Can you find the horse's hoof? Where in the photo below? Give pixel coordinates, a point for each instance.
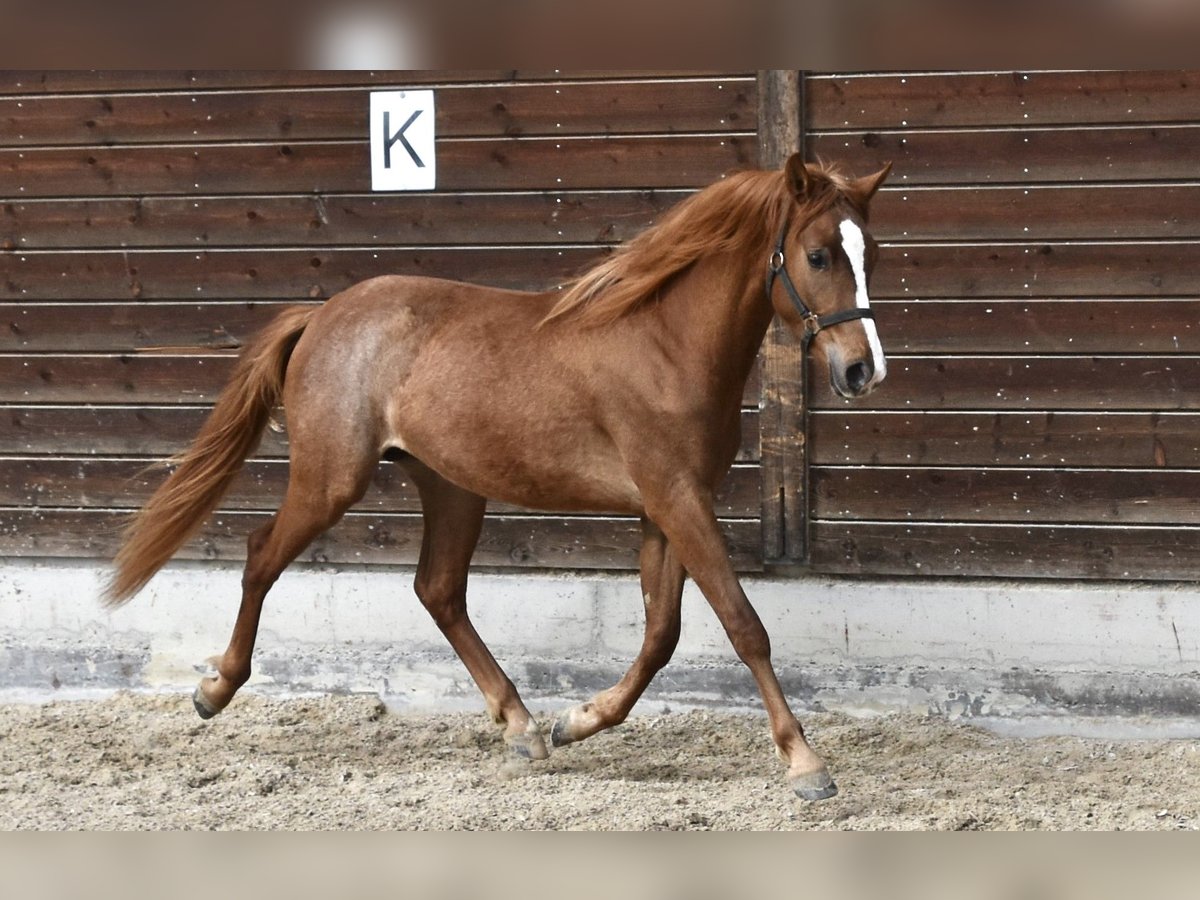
(203, 707)
(528, 745)
(560, 734)
(814, 786)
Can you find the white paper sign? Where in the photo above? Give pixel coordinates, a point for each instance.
(402, 148)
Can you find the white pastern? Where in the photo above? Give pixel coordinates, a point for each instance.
(855, 247)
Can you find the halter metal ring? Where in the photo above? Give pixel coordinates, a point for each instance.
(776, 260)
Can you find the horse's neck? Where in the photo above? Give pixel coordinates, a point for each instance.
(718, 310)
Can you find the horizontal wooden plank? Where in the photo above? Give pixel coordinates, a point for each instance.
(154, 378)
(609, 106)
(1068, 212)
(1045, 269)
(142, 430)
(1113, 212)
(162, 431)
(1025, 438)
(25, 82)
(953, 271)
(322, 167)
(90, 81)
(274, 274)
(1029, 383)
(1040, 326)
(369, 538)
(991, 326)
(1010, 551)
(487, 110)
(1106, 496)
(124, 327)
(105, 378)
(959, 99)
(61, 81)
(1018, 155)
(80, 482)
(321, 221)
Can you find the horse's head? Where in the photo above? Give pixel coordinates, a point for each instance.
(823, 260)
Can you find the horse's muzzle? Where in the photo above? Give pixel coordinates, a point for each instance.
(855, 380)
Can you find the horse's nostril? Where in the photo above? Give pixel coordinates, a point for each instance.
(858, 376)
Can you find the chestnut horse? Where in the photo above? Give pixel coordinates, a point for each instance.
(620, 393)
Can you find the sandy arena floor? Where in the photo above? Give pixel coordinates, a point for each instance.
(147, 762)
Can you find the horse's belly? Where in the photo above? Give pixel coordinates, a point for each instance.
(528, 469)
(554, 493)
(545, 487)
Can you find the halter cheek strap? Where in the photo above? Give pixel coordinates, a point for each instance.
(813, 324)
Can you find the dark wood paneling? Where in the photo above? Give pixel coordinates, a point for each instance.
(507, 541)
(953, 271)
(162, 430)
(284, 172)
(957, 99)
(1019, 155)
(96, 81)
(126, 484)
(122, 327)
(136, 430)
(1040, 326)
(274, 274)
(153, 378)
(1005, 198)
(1044, 269)
(1038, 298)
(323, 167)
(1010, 551)
(588, 108)
(1069, 212)
(320, 221)
(15, 81)
(1031, 383)
(104, 378)
(914, 382)
(1155, 497)
(1023, 438)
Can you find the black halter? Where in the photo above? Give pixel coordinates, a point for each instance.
(813, 324)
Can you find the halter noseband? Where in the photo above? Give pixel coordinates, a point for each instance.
(813, 324)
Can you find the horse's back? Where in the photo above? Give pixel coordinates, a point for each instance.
(376, 302)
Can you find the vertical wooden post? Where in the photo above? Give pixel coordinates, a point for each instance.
(782, 431)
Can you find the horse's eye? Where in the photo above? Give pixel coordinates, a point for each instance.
(818, 259)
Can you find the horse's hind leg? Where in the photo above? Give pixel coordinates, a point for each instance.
(662, 589)
(453, 519)
(317, 496)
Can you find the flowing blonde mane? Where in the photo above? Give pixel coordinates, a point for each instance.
(741, 214)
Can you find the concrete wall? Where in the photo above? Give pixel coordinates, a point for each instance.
(1041, 656)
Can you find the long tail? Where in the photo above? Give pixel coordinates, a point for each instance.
(204, 472)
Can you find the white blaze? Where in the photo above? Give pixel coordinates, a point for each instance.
(855, 247)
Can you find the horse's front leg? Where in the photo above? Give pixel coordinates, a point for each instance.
(685, 514)
(662, 588)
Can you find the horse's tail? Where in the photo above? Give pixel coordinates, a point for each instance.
(205, 470)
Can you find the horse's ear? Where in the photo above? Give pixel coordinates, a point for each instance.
(797, 175)
(863, 189)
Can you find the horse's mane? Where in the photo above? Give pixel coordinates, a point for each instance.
(742, 213)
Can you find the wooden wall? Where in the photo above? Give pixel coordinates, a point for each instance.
(153, 210)
(1039, 296)
(1038, 293)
